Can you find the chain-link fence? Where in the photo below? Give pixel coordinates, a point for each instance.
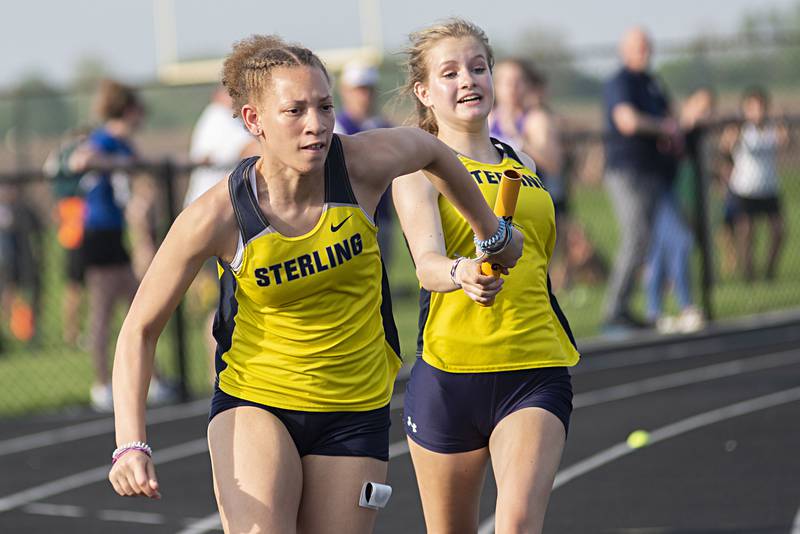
(46, 352)
(728, 233)
(46, 358)
(48, 333)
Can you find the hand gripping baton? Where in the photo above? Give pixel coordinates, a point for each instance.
(504, 207)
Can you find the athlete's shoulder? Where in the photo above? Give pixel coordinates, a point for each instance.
(212, 217)
(214, 204)
(517, 157)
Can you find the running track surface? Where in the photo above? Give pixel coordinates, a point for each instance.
(724, 457)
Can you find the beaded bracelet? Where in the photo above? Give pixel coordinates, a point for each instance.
(497, 241)
(453, 270)
(508, 237)
(132, 446)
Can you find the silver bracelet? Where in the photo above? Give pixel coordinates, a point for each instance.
(496, 241)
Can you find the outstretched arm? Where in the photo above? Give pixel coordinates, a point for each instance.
(416, 203)
(376, 157)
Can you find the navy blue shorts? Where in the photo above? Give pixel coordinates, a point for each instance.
(756, 206)
(457, 412)
(324, 433)
(103, 248)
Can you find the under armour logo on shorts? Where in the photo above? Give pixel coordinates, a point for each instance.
(412, 425)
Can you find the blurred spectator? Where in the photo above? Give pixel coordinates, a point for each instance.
(697, 113)
(101, 160)
(642, 139)
(69, 213)
(20, 262)
(725, 235)
(586, 266)
(754, 183)
(668, 262)
(523, 118)
(510, 120)
(219, 141)
(543, 142)
(358, 93)
(142, 216)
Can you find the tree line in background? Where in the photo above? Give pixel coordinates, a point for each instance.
(765, 50)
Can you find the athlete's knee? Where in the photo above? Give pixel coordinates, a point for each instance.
(456, 526)
(519, 521)
(262, 521)
(518, 514)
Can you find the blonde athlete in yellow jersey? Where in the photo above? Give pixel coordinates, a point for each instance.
(306, 347)
(491, 382)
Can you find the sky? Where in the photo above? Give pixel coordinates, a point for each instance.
(49, 37)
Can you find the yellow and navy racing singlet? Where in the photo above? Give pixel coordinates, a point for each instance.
(525, 327)
(305, 323)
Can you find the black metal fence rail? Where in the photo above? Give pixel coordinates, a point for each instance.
(26, 195)
(42, 372)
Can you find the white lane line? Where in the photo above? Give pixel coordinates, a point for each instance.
(796, 524)
(96, 474)
(396, 449)
(98, 427)
(683, 378)
(128, 516)
(99, 473)
(666, 432)
(174, 413)
(166, 414)
(212, 522)
(57, 510)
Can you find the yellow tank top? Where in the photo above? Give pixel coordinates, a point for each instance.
(304, 323)
(525, 327)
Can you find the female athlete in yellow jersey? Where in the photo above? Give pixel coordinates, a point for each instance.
(306, 347)
(491, 382)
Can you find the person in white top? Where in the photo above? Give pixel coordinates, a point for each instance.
(218, 141)
(754, 181)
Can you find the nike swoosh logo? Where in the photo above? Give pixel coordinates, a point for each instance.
(335, 227)
(517, 168)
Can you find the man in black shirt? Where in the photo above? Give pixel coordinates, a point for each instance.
(642, 139)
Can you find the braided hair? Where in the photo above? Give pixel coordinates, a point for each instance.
(246, 71)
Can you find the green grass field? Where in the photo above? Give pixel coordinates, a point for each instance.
(48, 374)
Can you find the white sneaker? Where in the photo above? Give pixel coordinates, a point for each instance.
(161, 392)
(690, 320)
(100, 398)
(667, 324)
